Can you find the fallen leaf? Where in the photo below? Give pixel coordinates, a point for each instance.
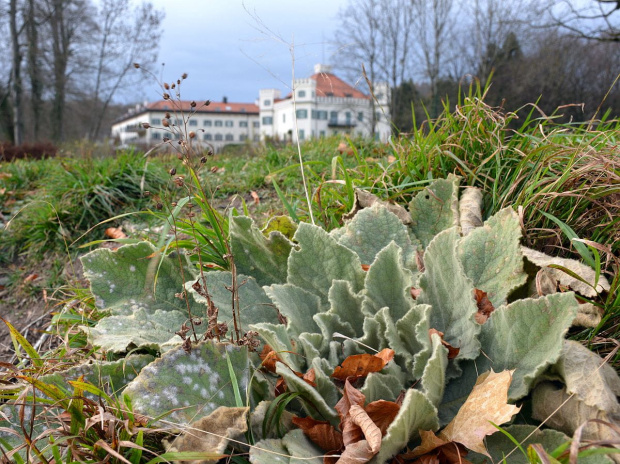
(210, 435)
(30, 278)
(485, 307)
(365, 267)
(344, 147)
(382, 413)
(115, 232)
(360, 365)
(322, 433)
(386, 354)
(269, 359)
(487, 402)
(373, 434)
(434, 449)
(350, 396)
(391, 159)
(255, 197)
(452, 351)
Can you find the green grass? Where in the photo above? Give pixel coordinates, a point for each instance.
(57, 200)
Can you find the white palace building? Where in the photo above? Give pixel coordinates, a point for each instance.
(324, 105)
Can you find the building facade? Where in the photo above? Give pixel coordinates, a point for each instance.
(324, 105)
(215, 125)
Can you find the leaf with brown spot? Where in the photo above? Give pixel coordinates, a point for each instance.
(360, 365)
(452, 351)
(322, 433)
(485, 307)
(382, 413)
(487, 402)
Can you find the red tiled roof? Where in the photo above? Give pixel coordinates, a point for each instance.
(214, 107)
(329, 85)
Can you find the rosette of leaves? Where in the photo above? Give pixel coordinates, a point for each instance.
(377, 283)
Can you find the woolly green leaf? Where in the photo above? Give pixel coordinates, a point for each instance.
(413, 331)
(371, 230)
(403, 357)
(416, 413)
(435, 209)
(448, 290)
(330, 323)
(434, 377)
(320, 261)
(492, 258)
(111, 377)
(276, 336)
(526, 335)
(134, 276)
(263, 258)
(381, 386)
(319, 408)
(294, 445)
(324, 384)
(457, 390)
(142, 329)
(297, 305)
(254, 305)
(347, 305)
(189, 386)
(388, 283)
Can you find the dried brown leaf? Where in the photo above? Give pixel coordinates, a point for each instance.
(350, 396)
(360, 365)
(370, 430)
(269, 359)
(255, 197)
(115, 232)
(382, 413)
(485, 307)
(322, 433)
(487, 402)
(434, 449)
(452, 351)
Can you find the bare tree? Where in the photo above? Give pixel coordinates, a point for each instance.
(593, 20)
(69, 23)
(33, 21)
(16, 77)
(125, 35)
(359, 40)
(397, 27)
(434, 25)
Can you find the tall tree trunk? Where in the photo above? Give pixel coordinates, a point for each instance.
(16, 79)
(60, 48)
(34, 69)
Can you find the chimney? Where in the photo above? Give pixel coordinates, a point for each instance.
(224, 99)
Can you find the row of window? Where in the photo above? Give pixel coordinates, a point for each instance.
(209, 123)
(315, 114)
(215, 137)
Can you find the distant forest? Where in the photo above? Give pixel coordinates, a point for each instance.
(68, 60)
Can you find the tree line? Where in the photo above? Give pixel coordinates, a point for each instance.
(68, 61)
(554, 53)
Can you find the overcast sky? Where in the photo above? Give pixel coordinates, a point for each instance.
(226, 51)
